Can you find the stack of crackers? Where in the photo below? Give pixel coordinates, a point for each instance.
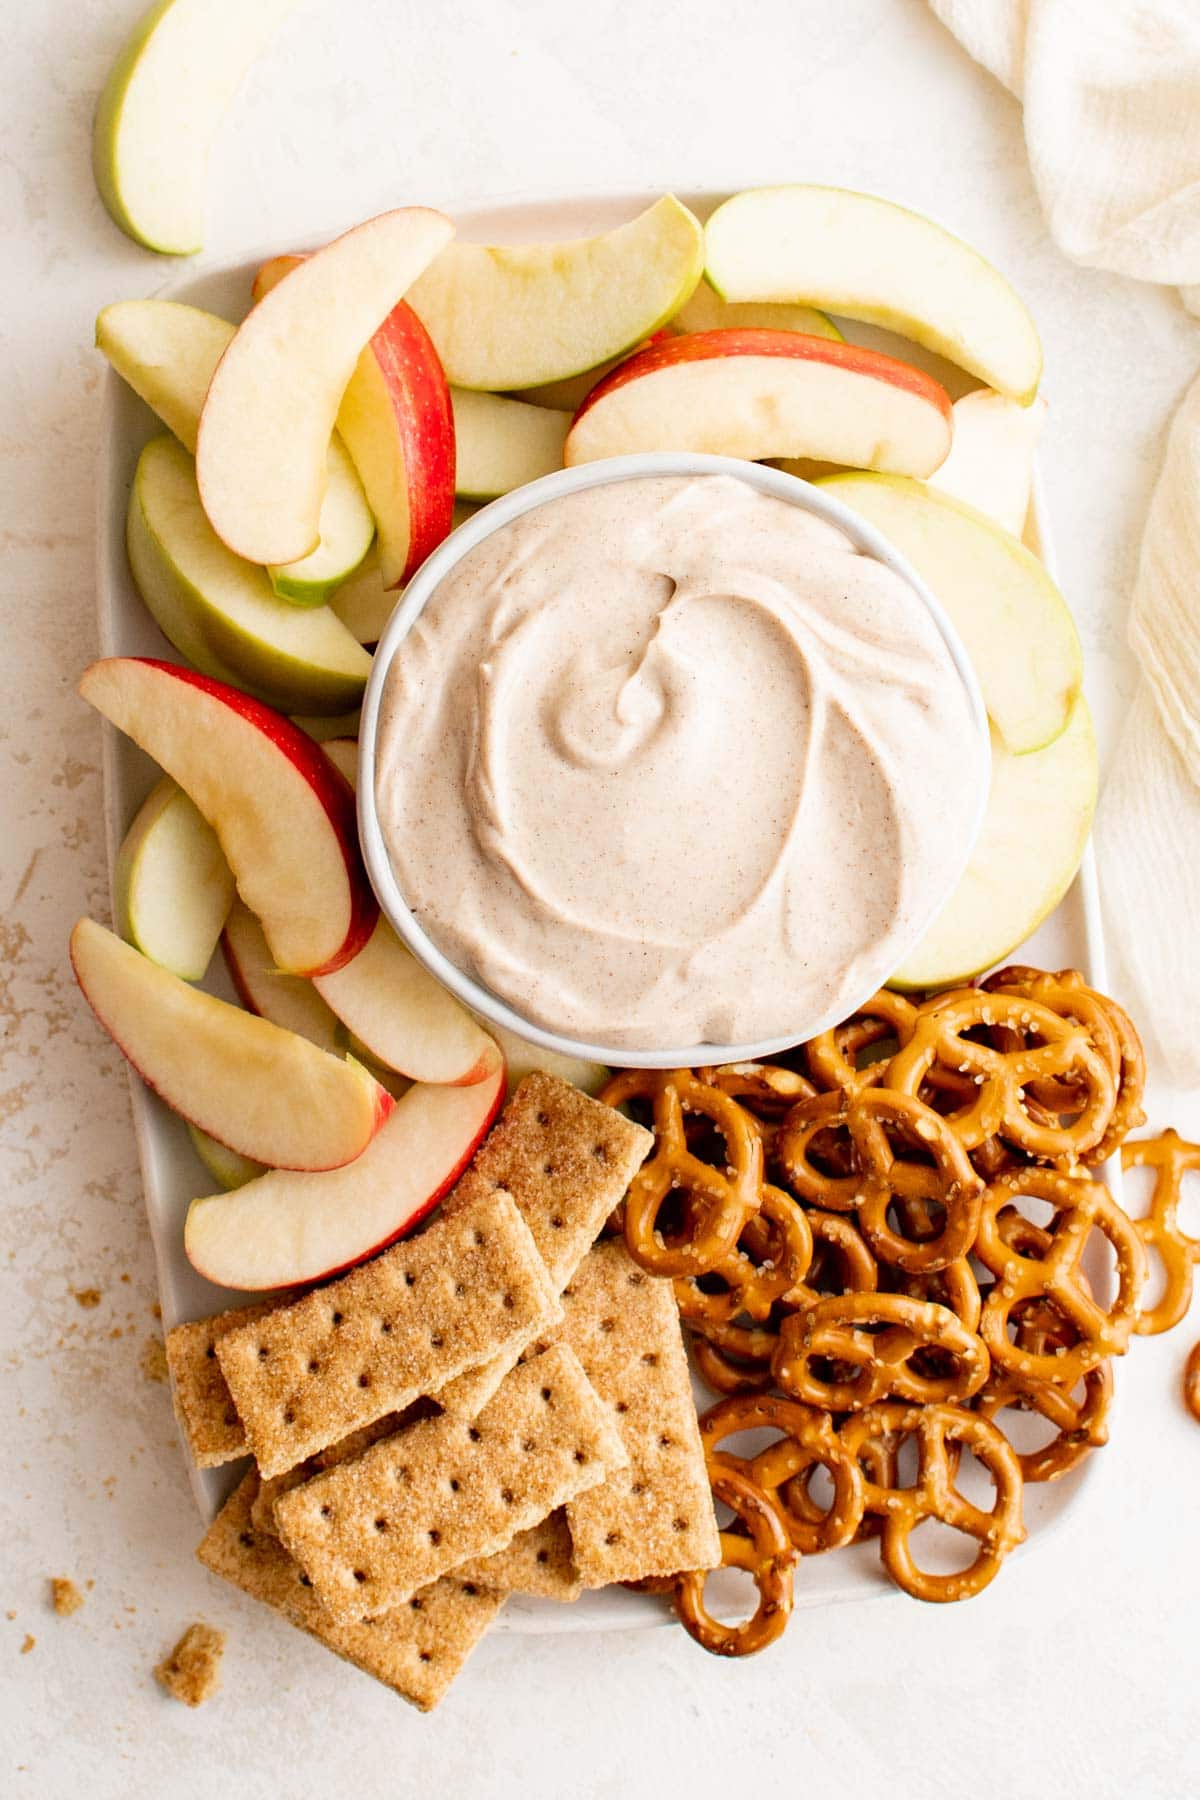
(499, 1405)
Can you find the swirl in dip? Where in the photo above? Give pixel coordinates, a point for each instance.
(669, 762)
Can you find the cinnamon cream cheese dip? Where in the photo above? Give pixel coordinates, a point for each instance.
(669, 761)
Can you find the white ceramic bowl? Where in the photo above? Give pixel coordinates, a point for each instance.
(429, 576)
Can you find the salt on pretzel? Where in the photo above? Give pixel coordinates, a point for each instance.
(765, 1552)
(808, 1442)
(765, 1089)
(1171, 1158)
(718, 1201)
(839, 1328)
(1112, 1031)
(832, 1057)
(772, 1258)
(882, 1178)
(937, 1430)
(1055, 1275)
(1080, 1424)
(940, 1039)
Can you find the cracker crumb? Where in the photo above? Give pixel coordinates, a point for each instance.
(27, 1646)
(87, 1297)
(154, 1360)
(192, 1671)
(65, 1597)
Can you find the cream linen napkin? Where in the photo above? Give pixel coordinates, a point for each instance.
(1111, 91)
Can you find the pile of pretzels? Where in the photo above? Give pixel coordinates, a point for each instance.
(876, 1244)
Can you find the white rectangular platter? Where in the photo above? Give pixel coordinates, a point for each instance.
(171, 1173)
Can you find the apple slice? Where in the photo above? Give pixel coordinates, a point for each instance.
(569, 394)
(404, 1017)
(271, 406)
(224, 1165)
(507, 316)
(289, 1001)
(160, 108)
(990, 465)
(767, 393)
(219, 611)
(286, 1228)
(283, 815)
(522, 1058)
(343, 754)
(706, 311)
(866, 258)
(363, 604)
(259, 1090)
(1034, 831)
(172, 888)
(395, 416)
(1016, 626)
(501, 444)
(168, 353)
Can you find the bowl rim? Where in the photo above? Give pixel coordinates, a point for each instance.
(411, 603)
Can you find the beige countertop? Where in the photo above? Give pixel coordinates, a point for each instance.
(1075, 1672)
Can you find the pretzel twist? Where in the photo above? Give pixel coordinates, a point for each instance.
(1080, 1424)
(1065, 1054)
(881, 1178)
(809, 1441)
(766, 1553)
(882, 1363)
(1171, 1157)
(832, 1057)
(937, 1430)
(718, 1201)
(772, 1259)
(1191, 1382)
(1112, 1032)
(1055, 1274)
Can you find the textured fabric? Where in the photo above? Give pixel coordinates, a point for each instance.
(1111, 92)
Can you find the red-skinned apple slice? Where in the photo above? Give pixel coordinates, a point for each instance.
(758, 394)
(404, 1018)
(282, 814)
(396, 422)
(259, 1090)
(397, 1014)
(272, 404)
(287, 1228)
(287, 1000)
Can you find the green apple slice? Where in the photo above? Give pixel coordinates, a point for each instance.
(1016, 626)
(219, 611)
(501, 444)
(866, 258)
(172, 888)
(706, 311)
(990, 465)
(228, 1167)
(1038, 816)
(168, 353)
(505, 316)
(160, 108)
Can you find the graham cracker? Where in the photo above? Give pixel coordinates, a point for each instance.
(655, 1516)
(203, 1403)
(388, 1332)
(538, 1561)
(567, 1160)
(371, 1533)
(269, 1489)
(192, 1671)
(417, 1651)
